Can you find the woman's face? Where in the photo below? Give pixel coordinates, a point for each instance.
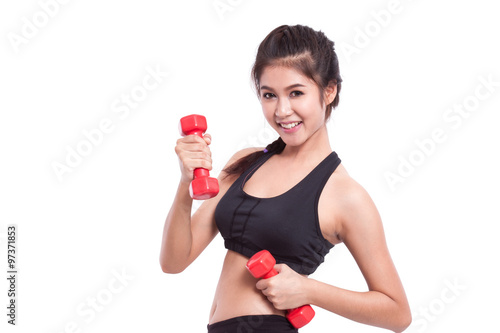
(291, 104)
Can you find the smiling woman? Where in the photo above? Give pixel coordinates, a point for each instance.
(294, 198)
(286, 107)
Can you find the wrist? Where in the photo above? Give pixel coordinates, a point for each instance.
(184, 182)
(309, 290)
(183, 197)
(183, 186)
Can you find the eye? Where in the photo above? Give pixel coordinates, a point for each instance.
(268, 95)
(296, 93)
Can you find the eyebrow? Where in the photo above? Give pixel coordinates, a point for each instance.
(287, 88)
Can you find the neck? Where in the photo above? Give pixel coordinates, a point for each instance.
(317, 146)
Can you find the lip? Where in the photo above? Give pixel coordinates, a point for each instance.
(288, 122)
(289, 130)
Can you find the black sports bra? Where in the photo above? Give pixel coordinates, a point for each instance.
(286, 225)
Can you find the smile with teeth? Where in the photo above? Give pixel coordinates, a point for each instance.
(290, 125)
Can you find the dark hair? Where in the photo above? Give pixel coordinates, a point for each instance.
(304, 49)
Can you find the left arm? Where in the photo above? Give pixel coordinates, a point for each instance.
(384, 305)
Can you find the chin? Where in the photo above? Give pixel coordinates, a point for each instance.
(292, 142)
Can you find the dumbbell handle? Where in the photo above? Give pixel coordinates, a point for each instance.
(201, 172)
(262, 262)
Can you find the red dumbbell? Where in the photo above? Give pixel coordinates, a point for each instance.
(203, 186)
(261, 265)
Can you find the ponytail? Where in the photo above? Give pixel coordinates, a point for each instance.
(238, 167)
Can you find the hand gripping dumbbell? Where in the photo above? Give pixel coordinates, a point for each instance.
(203, 186)
(261, 265)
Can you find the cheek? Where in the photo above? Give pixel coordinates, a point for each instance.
(311, 108)
(316, 116)
(307, 106)
(268, 111)
(311, 102)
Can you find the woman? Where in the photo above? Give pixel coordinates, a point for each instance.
(293, 198)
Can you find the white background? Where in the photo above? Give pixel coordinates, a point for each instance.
(106, 216)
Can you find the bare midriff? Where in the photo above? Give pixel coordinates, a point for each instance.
(236, 294)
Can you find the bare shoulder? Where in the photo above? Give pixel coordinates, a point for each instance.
(344, 202)
(359, 213)
(236, 156)
(242, 153)
(349, 192)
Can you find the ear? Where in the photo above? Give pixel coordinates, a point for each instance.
(330, 92)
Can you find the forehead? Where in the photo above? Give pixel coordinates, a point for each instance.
(279, 77)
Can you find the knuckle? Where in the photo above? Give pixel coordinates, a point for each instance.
(186, 139)
(196, 138)
(208, 156)
(180, 153)
(206, 164)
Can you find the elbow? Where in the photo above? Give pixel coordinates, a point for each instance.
(407, 321)
(404, 321)
(170, 268)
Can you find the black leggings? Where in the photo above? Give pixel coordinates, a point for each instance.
(253, 324)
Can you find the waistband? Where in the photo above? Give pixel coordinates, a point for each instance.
(254, 324)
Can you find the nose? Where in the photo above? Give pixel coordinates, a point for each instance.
(283, 108)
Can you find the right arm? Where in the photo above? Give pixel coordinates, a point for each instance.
(186, 236)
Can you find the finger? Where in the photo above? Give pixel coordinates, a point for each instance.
(192, 139)
(262, 284)
(279, 267)
(198, 157)
(193, 146)
(207, 138)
